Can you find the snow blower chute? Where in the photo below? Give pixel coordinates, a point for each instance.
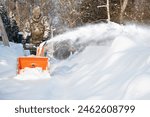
(33, 61)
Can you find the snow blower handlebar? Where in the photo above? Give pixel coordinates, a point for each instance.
(38, 50)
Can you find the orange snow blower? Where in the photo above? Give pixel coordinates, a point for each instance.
(33, 61)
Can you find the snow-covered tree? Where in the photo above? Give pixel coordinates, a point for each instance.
(69, 12)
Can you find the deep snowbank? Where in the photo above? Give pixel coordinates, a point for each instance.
(8, 59)
(114, 65)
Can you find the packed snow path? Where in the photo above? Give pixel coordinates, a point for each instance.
(115, 64)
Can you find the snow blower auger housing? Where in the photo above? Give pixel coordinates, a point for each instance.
(32, 62)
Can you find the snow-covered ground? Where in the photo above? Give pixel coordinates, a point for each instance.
(114, 65)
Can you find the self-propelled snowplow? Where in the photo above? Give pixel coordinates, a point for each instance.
(61, 50)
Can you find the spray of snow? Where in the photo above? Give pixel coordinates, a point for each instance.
(115, 64)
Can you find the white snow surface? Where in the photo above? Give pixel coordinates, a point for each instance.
(32, 74)
(116, 67)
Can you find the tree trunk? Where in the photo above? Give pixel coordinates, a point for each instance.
(3, 33)
(123, 8)
(17, 14)
(108, 11)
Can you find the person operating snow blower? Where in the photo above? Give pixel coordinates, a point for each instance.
(36, 30)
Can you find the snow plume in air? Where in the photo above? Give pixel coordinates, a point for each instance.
(113, 62)
(98, 34)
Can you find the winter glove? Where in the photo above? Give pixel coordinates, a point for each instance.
(24, 41)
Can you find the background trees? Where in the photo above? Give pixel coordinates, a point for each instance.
(65, 14)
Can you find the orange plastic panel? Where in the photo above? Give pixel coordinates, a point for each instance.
(32, 62)
(40, 51)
